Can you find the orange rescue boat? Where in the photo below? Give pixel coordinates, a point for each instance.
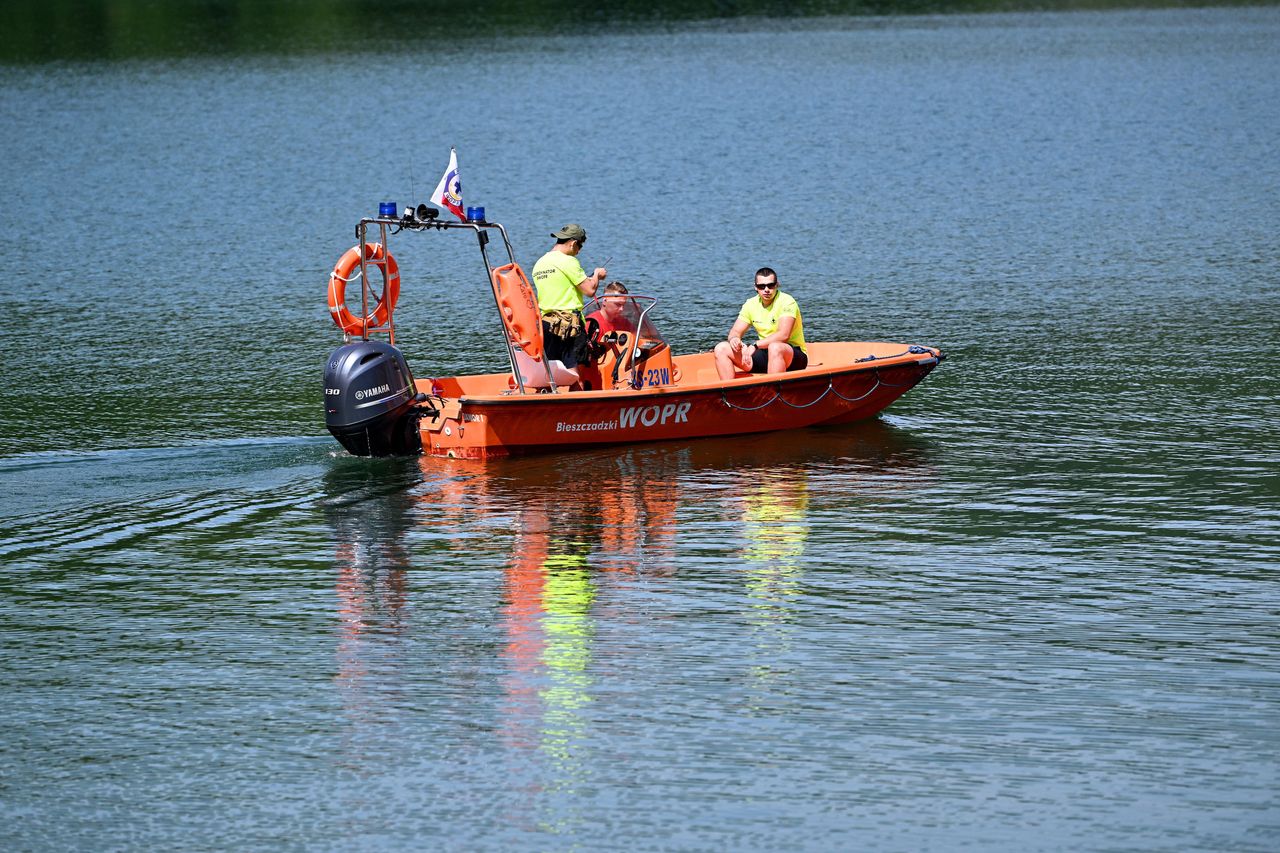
(634, 389)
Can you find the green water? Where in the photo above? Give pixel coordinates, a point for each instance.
(50, 30)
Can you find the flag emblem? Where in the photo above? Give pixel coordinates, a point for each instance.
(448, 192)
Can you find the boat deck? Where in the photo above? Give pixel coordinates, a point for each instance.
(697, 371)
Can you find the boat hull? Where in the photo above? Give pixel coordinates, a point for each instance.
(839, 386)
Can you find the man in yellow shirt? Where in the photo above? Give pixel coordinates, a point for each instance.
(776, 319)
(562, 284)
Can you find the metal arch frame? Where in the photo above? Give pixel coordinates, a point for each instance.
(481, 230)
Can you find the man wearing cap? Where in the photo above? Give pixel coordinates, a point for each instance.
(562, 284)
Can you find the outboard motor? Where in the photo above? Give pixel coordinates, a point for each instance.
(369, 400)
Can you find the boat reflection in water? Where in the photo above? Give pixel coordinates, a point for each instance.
(550, 587)
(776, 526)
(586, 549)
(369, 508)
(583, 534)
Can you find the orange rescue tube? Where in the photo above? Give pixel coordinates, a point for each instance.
(376, 255)
(519, 305)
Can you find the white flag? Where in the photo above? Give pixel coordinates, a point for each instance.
(448, 193)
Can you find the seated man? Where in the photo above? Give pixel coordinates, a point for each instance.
(616, 310)
(776, 318)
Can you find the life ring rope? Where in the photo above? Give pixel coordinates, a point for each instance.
(348, 269)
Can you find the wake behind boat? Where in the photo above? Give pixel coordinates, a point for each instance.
(633, 389)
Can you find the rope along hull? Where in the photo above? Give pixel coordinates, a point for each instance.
(485, 426)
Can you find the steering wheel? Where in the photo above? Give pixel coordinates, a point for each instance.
(594, 345)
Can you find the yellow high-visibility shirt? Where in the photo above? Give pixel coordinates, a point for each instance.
(765, 320)
(556, 276)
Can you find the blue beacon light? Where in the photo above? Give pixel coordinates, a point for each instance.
(387, 209)
(475, 214)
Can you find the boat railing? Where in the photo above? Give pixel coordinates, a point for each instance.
(635, 348)
(426, 219)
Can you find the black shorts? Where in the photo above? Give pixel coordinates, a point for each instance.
(760, 359)
(569, 351)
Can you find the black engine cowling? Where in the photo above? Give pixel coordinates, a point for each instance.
(369, 400)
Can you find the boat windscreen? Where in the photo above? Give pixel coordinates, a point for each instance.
(616, 312)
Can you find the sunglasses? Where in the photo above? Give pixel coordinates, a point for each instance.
(767, 285)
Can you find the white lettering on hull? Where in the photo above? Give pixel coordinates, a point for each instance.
(564, 427)
(635, 416)
(647, 416)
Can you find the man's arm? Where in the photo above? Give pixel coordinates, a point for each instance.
(591, 283)
(735, 335)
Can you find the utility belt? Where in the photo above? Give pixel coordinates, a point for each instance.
(564, 324)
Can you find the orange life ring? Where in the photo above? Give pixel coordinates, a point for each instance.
(519, 304)
(375, 254)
